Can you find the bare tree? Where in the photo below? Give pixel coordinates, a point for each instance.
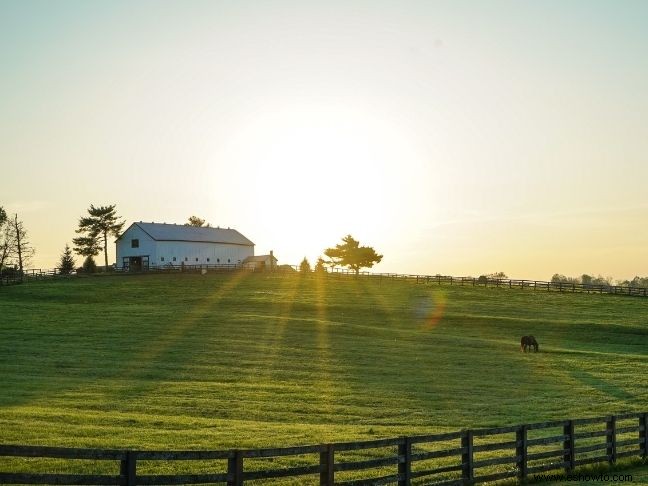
(6, 240)
(22, 249)
(6, 245)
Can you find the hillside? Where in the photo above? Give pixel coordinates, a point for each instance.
(216, 361)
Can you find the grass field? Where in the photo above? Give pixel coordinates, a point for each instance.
(221, 361)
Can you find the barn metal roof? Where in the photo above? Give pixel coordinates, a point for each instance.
(259, 258)
(181, 232)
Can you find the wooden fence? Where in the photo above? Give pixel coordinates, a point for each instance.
(540, 285)
(501, 283)
(455, 458)
(15, 276)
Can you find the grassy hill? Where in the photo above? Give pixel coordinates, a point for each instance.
(225, 361)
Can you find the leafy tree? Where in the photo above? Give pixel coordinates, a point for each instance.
(304, 266)
(601, 280)
(639, 282)
(23, 249)
(66, 264)
(497, 276)
(197, 222)
(558, 278)
(350, 254)
(319, 266)
(491, 276)
(89, 265)
(103, 221)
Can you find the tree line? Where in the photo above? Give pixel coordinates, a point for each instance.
(586, 279)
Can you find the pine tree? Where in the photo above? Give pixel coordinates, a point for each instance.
(304, 266)
(319, 266)
(66, 264)
(103, 221)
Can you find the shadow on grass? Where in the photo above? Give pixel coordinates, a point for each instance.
(601, 385)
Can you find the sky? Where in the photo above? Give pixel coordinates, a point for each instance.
(455, 137)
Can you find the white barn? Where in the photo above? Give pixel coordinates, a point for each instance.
(144, 245)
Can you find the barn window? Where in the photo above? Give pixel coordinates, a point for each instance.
(174, 259)
(208, 260)
(218, 260)
(228, 260)
(134, 243)
(196, 259)
(186, 259)
(161, 259)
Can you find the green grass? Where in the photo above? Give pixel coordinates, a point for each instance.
(223, 361)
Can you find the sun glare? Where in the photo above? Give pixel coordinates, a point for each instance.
(313, 162)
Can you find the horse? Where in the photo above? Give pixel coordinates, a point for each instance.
(528, 342)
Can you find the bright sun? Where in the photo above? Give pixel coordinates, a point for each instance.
(308, 163)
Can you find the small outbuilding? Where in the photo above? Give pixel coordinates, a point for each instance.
(260, 263)
(145, 245)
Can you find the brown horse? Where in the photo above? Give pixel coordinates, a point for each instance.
(528, 342)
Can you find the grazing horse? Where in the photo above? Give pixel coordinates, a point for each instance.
(528, 342)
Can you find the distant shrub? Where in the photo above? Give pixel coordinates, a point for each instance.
(89, 265)
(319, 266)
(304, 266)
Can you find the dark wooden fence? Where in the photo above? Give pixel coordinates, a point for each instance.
(455, 458)
(540, 285)
(501, 283)
(15, 276)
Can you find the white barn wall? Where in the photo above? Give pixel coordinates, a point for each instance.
(147, 245)
(197, 253)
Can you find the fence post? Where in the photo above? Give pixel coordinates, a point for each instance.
(405, 467)
(611, 439)
(467, 470)
(643, 435)
(521, 451)
(327, 463)
(128, 470)
(235, 469)
(569, 447)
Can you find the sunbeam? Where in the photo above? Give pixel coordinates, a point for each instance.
(160, 344)
(326, 385)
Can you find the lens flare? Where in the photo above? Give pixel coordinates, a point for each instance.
(430, 309)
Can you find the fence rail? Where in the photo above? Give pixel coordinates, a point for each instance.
(518, 458)
(502, 283)
(539, 285)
